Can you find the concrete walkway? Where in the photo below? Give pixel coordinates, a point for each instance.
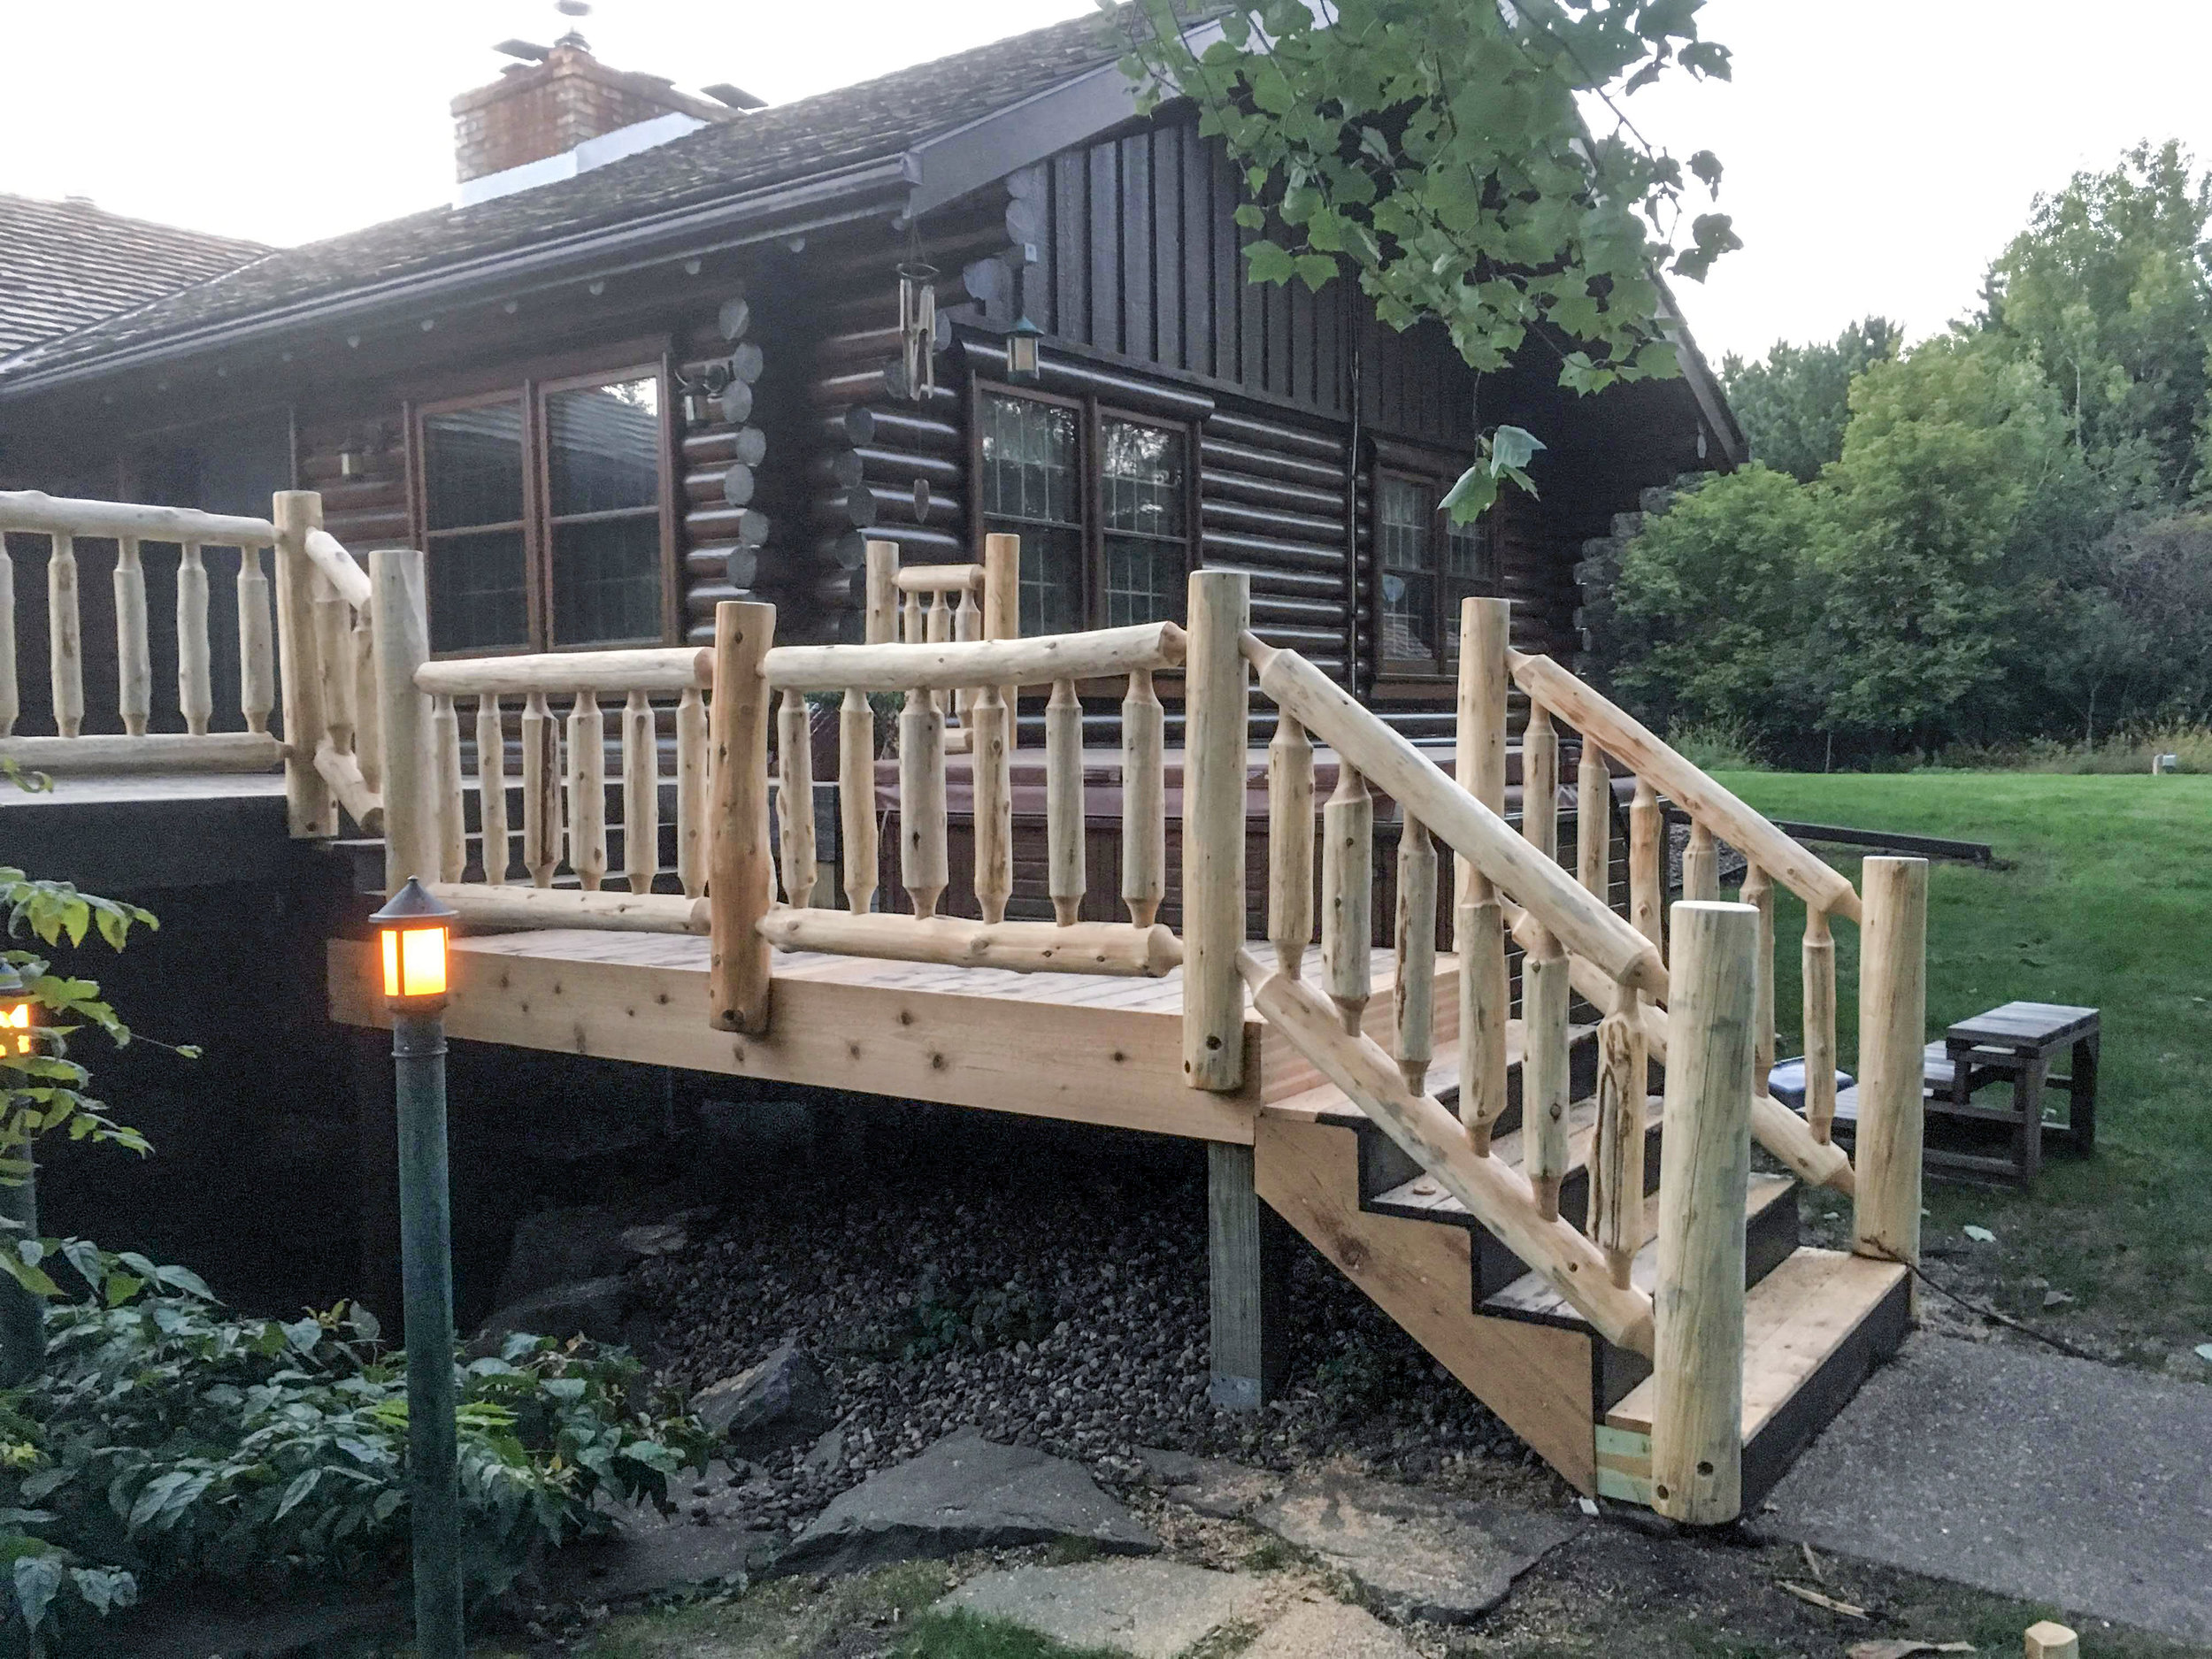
(2029, 1474)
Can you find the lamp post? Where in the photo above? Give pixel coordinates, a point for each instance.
(413, 930)
(22, 1316)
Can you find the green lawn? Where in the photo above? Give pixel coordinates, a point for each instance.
(2106, 900)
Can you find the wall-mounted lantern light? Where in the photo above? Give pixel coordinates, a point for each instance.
(702, 406)
(1021, 349)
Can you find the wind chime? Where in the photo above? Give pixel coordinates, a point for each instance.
(918, 318)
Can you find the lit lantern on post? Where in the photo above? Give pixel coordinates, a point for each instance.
(414, 931)
(22, 1315)
(1021, 351)
(16, 1019)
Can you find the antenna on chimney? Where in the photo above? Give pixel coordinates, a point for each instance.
(574, 8)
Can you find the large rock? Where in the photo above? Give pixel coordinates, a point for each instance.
(1154, 1610)
(1329, 1629)
(1212, 1485)
(768, 1408)
(595, 1308)
(1420, 1554)
(964, 1493)
(559, 1247)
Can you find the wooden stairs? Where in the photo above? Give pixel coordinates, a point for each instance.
(1815, 1321)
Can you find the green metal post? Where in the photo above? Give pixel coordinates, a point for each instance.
(22, 1315)
(427, 1271)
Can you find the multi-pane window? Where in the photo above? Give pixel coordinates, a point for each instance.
(544, 516)
(1428, 565)
(1101, 501)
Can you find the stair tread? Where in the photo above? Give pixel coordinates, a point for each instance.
(1324, 1103)
(1794, 1318)
(1533, 1296)
(1425, 1193)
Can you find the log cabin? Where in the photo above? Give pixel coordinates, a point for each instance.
(665, 411)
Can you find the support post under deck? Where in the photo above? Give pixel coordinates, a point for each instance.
(1248, 1255)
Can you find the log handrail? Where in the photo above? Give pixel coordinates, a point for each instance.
(655, 669)
(35, 513)
(957, 665)
(1623, 736)
(338, 567)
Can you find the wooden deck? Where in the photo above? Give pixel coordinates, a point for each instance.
(1077, 1046)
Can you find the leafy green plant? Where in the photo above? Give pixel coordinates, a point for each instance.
(1722, 745)
(165, 1439)
(1439, 153)
(976, 1318)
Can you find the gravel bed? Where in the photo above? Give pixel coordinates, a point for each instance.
(1046, 1284)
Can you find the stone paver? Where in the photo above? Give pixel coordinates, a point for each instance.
(2030, 1475)
(964, 1493)
(1328, 1630)
(1420, 1555)
(1153, 1609)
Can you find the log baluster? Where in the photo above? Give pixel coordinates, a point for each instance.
(1290, 845)
(924, 866)
(1348, 894)
(1700, 866)
(540, 790)
(1545, 1081)
(990, 721)
(491, 787)
(1143, 800)
(937, 630)
(1539, 781)
(1065, 877)
(794, 800)
(587, 792)
(134, 663)
(1594, 822)
(967, 624)
(856, 738)
(641, 793)
(1479, 920)
(1820, 1023)
(691, 791)
(913, 624)
(1616, 1158)
(1758, 891)
(11, 698)
(65, 651)
(1414, 990)
(445, 746)
(257, 657)
(195, 689)
(368, 736)
(1647, 865)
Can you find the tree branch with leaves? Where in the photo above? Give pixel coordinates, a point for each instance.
(1471, 163)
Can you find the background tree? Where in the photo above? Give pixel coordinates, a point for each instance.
(1793, 403)
(1438, 152)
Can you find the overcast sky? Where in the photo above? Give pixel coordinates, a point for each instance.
(1877, 154)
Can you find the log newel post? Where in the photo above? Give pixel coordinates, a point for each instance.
(1705, 1166)
(1478, 919)
(402, 644)
(309, 806)
(1217, 692)
(1893, 1024)
(740, 882)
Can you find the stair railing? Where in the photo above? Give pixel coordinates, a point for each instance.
(325, 643)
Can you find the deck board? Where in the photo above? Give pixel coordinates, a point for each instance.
(1085, 1047)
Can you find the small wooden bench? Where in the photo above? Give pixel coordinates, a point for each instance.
(2016, 1044)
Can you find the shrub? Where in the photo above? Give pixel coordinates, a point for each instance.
(165, 1440)
(1722, 745)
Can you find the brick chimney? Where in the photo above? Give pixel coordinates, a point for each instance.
(535, 111)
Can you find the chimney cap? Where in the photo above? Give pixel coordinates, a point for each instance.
(736, 97)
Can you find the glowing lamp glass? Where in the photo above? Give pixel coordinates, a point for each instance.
(414, 962)
(15, 1028)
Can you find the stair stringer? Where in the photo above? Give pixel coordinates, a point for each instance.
(1539, 1379)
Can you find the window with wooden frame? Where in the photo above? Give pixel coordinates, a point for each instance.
(546, 515)
(1426, 565)
(1101, 498)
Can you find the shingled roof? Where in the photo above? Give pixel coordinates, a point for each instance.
(871, 121)
(66, 264)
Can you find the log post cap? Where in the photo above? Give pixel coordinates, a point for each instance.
(2046, 1639)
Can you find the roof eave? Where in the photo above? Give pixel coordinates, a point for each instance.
(703, 228)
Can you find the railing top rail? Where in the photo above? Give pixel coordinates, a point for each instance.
(955, 665)
(35, 511)
(659, 668)
(329, 555)
(940, 579)
(1619, 733)
(1581, 920)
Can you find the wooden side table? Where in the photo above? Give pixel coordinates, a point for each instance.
(2018, 1043)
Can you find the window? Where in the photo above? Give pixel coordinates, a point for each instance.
(544, 516)
(1428, 565)
(1101, 500)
